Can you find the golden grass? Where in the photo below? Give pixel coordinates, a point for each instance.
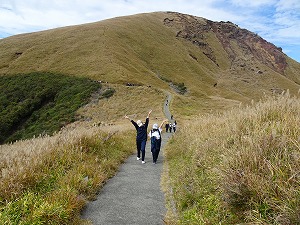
(49, 179)
(131, 100)
(238, 167)
(137, 49)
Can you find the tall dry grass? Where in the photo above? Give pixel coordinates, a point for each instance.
(135, 101)
(239, 167)
(47, 180)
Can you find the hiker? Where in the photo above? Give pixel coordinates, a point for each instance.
(167, 127)
(141, 135)
(155, 137)
(174, 126)
(170, 127)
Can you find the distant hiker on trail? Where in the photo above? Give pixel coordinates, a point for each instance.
(170, 127)
(174, 126)
(141, 135)
(155, 137)
(167, 127)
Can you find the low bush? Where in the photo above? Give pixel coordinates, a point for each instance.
(108, 93)
(40, 103)
(179, 87)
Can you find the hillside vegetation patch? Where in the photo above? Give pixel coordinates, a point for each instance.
(40, 103)
(178, 87)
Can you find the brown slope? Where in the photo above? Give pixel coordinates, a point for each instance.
(220, 63)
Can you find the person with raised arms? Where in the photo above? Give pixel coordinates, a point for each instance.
(155, 137)
(141, 135)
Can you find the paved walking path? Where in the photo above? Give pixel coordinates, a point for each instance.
(133, 196)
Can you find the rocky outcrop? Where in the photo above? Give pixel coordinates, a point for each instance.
(250, 44)
(195, 30)
(191, 29)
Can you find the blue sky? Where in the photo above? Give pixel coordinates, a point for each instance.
(277, 21)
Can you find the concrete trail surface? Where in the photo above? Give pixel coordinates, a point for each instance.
(133, 196)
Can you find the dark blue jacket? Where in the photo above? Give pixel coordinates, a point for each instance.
(141, 132)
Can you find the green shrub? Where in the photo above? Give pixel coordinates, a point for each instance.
(165, 79)
(108, 93)
(35, 103)
(180, 87)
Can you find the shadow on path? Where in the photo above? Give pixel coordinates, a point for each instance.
(133, 195)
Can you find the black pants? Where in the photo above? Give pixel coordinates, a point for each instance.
(140, 146)
(155, 149)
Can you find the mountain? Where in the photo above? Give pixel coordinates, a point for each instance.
(240, 167)
(207, 65)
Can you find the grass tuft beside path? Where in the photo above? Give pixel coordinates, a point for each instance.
(48, 180)
(238, 167)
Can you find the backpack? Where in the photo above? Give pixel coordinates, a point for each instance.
(155, 143)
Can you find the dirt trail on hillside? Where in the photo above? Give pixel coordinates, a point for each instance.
(133, 196)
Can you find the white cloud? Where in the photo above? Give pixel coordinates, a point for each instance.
(286, 21)
(284, 5)
(252, 3)
(292, 33)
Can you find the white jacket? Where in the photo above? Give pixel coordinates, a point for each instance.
(155, 133)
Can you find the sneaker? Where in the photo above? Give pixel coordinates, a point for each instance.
(137, 158)
(143, 162)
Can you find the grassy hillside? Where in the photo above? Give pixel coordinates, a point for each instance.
(144, 49)
(226, 166)
(134, 101)
(40, 103)
(238, 167)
